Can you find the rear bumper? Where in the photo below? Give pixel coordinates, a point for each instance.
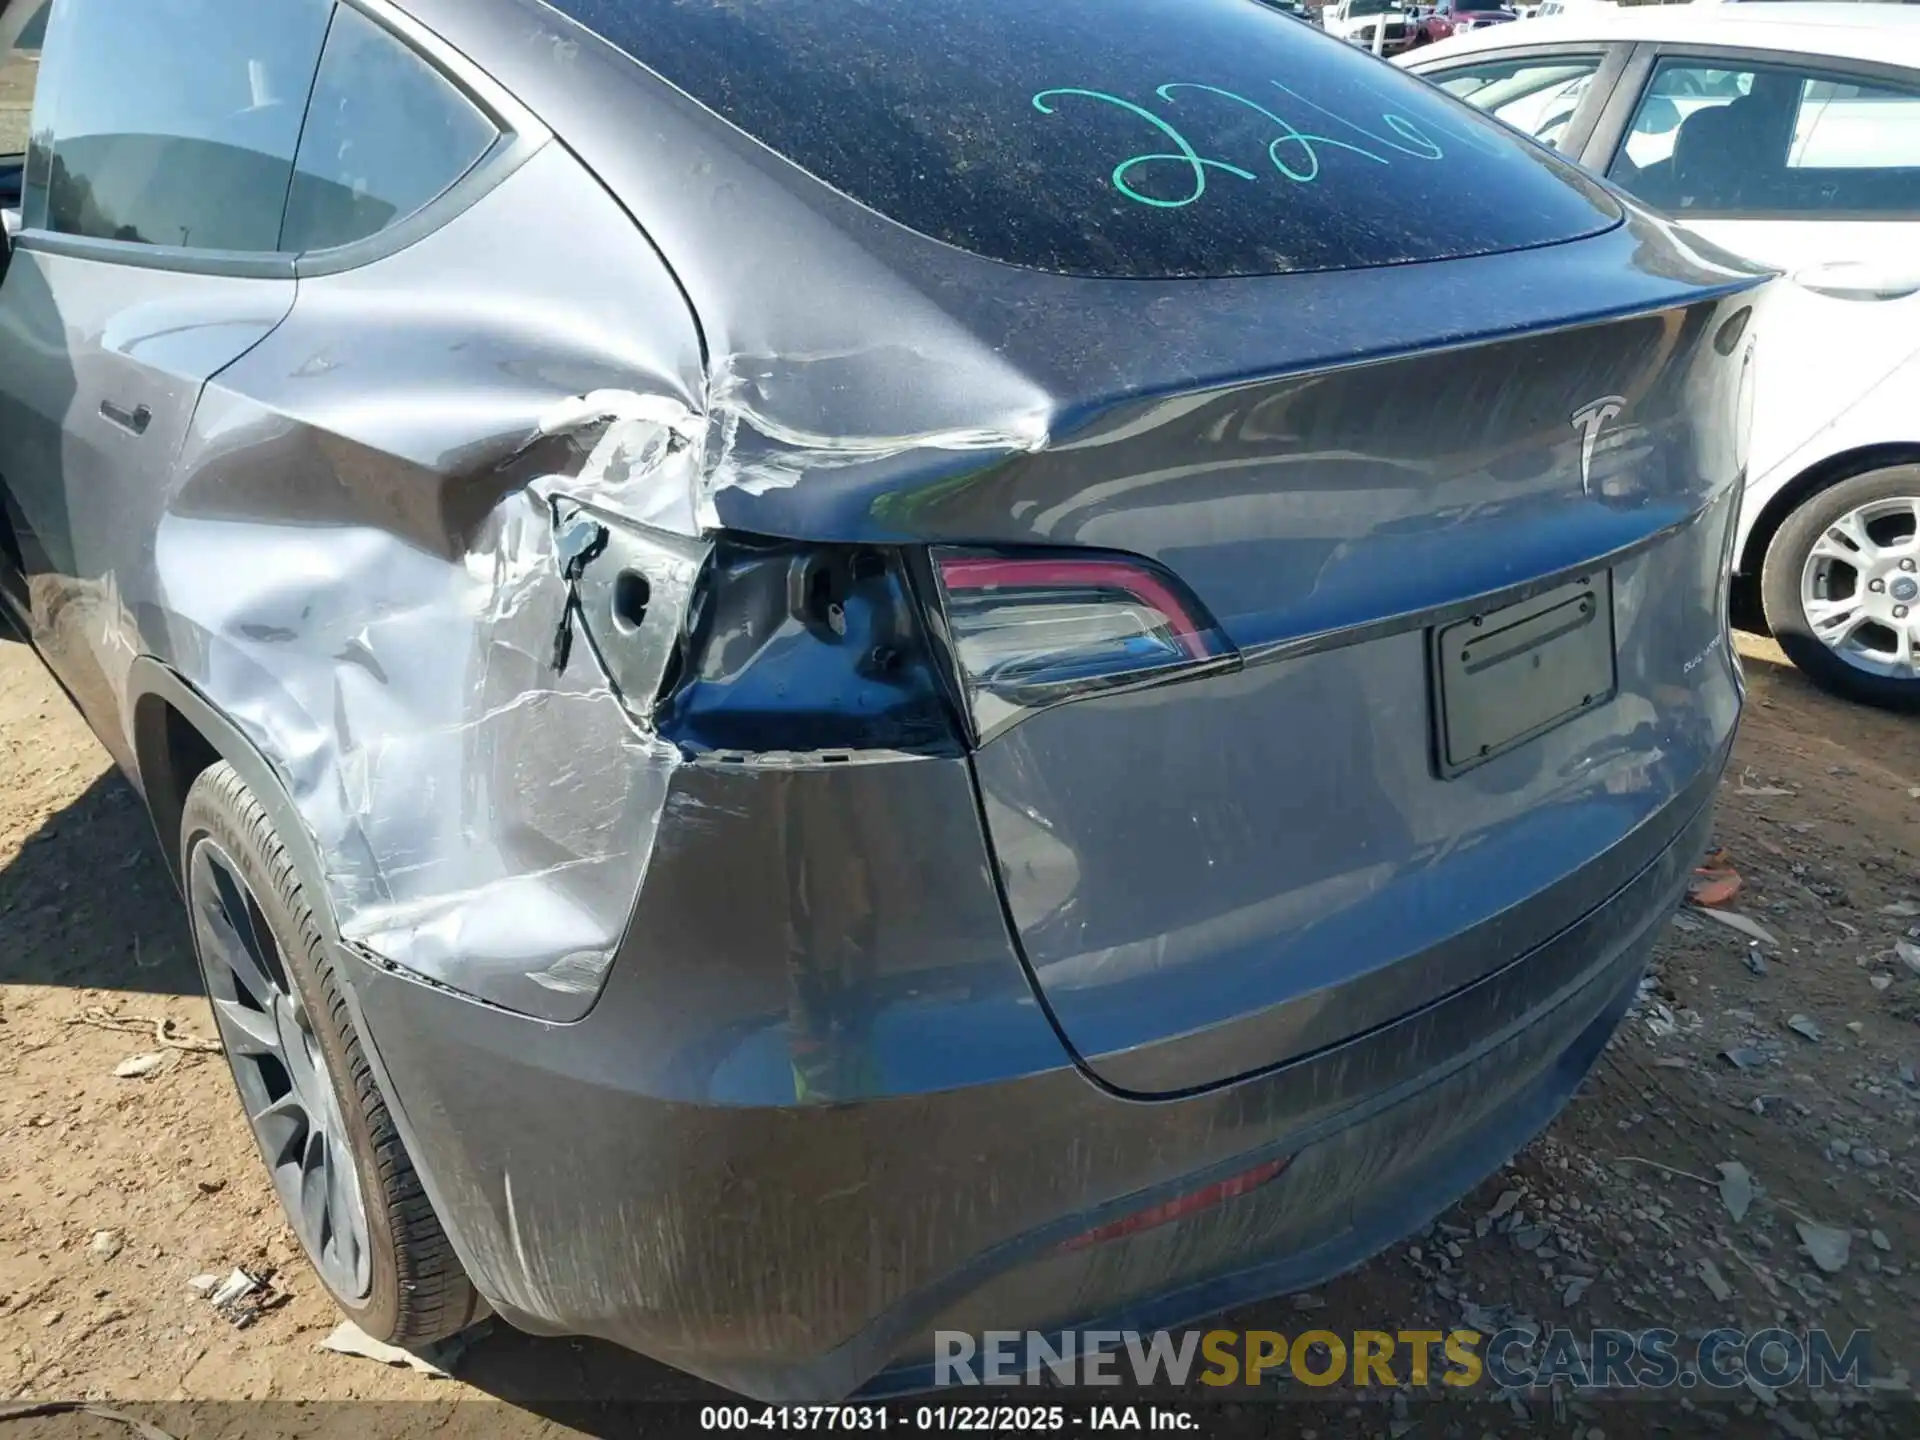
(1386, 1174)
(794, 1248)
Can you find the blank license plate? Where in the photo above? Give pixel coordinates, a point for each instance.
(1504, 677)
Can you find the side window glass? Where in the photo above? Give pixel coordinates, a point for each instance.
(1843, 125)
(1772, 140)
(174, 122)
(1676, 91)
(1537, 96)
(385, 135)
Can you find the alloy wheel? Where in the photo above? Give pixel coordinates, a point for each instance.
(1860, 587)
(280, 1071)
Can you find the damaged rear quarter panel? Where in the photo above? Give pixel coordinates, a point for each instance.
(356, 563)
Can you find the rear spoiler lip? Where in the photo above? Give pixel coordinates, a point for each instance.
(878, 501)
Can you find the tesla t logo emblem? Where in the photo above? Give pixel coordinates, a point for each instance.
(1588, 420)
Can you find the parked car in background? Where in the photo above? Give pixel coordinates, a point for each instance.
(1789, 133)
(1447, 18)
(1358, 22)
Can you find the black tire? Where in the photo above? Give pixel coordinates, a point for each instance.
(1780, 576)
(418, 1291)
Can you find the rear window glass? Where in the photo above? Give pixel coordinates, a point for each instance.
(1133, 138)
(385, 133)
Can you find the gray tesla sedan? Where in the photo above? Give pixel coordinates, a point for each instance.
(822, 671)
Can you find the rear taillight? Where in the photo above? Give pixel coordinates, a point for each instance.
(1027, 631)
(783, 652)
(800, 653)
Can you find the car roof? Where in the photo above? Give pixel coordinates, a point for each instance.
(1839, 31)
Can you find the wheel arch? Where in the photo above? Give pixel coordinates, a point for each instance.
(178, 733)
(1828, 471)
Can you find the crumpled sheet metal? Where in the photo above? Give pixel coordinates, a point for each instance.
(483, 819)
(768, 425)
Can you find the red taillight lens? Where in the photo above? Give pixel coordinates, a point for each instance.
(1030, 631)
(1176, 1209)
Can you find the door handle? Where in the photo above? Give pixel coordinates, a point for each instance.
(1854, 280)
(135, 420)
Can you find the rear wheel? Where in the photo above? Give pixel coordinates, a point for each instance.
(1841, 588)
(342, 1174)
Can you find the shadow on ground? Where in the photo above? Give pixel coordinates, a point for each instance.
(87, 903)
(1856, 732)
(586, 1385)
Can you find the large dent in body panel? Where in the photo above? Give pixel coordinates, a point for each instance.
(361, 560)
(483, 794)
(776, 419)
(469, 736)
(770, 421)
(373, 563)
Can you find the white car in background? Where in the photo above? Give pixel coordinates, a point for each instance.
(1547, 9)
(1356, 20)
(1789, 133)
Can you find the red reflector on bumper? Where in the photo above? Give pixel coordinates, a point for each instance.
(1181, 1206)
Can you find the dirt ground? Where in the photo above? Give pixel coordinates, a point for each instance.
(19, 72)
(116, 1192)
